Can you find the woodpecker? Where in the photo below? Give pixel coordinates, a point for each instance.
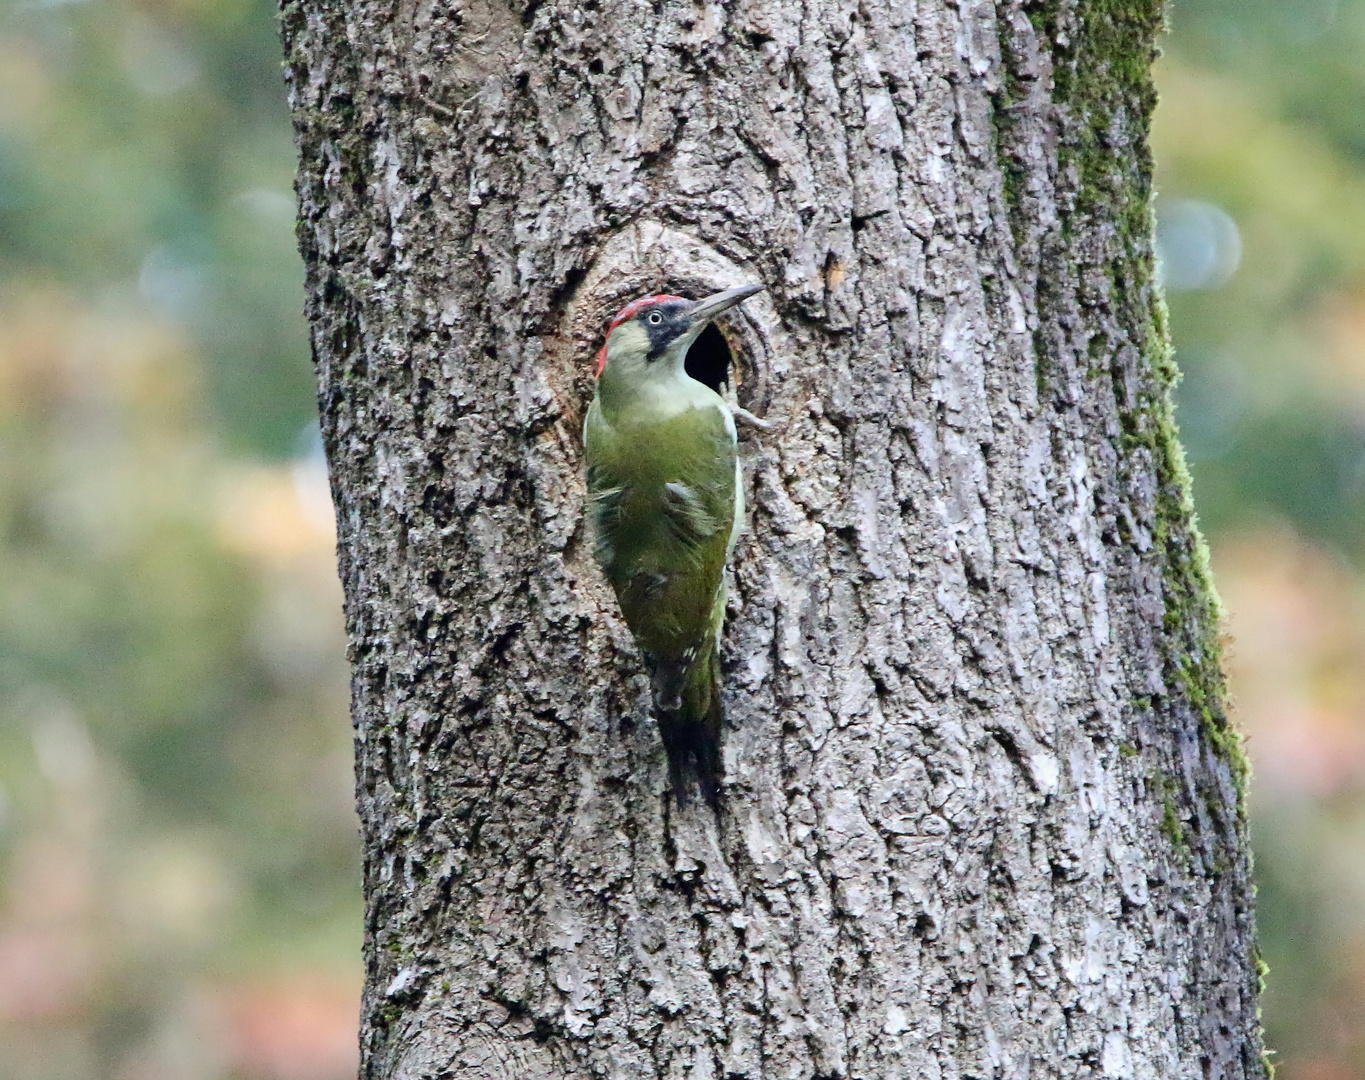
(666, 502)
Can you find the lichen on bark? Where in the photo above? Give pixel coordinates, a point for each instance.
(982, 810)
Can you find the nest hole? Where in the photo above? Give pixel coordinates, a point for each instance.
(709, 359)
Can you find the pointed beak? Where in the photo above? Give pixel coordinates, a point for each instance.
(713, 305)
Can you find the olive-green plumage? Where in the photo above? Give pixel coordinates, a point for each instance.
(666, 504)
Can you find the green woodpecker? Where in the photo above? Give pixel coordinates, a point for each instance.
(666, 503)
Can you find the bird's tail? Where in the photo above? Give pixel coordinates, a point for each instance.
(690, 713)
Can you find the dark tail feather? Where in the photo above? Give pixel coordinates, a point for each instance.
(691, 727)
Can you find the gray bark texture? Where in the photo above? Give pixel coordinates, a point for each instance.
(982, 807)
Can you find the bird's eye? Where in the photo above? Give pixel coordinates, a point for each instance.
(655, 318)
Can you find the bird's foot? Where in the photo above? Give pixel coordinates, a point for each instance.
(746, 417)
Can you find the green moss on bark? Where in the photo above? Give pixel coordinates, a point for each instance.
(1193, 616)
(1171, 825)
(1102, 65)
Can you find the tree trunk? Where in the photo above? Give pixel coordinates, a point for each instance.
(982, 807)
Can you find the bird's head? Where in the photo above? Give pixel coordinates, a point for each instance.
(654, 333)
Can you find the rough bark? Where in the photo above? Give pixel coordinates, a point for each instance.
(982, 806)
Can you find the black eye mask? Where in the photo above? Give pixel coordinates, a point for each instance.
(673, 324)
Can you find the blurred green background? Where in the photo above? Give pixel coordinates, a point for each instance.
(179, 897)
(179, 867)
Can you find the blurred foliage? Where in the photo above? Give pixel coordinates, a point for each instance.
(1263, 117)
(180, 885)
(180, 863)
(145, 149)
(1273, 401)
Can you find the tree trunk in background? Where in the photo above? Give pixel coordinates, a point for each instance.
(982, 811)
